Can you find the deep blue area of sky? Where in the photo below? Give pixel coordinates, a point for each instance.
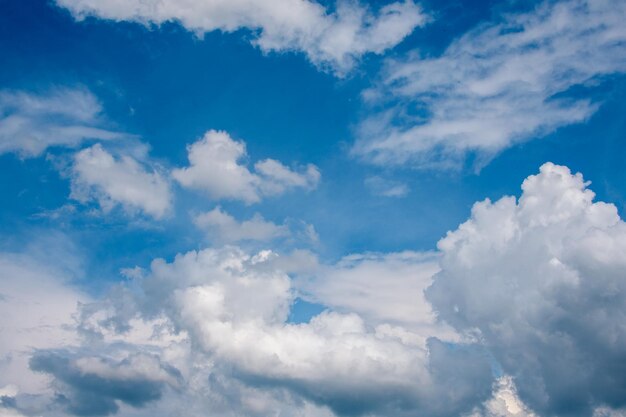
(169, 87)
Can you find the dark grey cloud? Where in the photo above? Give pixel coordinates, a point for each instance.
(92, 386)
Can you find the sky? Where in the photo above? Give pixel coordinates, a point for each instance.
(312, 208)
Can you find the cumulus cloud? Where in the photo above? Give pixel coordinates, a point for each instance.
(541, 279)
(498, 85)
(232, 308)
(505, 402)
(331, 39)
(98, 175)
(31, 122)
(216, 167)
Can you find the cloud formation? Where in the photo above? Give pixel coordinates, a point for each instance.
(90, 386)
(219, 317)
(542, 280)
(520, 314)
(98, 175)
(332, 39)
(32, 122)
(37, 303)
(216, 167)
(223, 227)
(498, 85)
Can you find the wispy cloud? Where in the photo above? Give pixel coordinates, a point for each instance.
(330, 39)
(222, 227)
(31, 122)
(498, 85)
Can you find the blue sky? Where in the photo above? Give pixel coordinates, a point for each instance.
(339, 147)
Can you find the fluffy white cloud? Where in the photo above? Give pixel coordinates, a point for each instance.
(219, 317)
(498, 85)
(542, 281)
(98, 175)
(504, 403)
(216, 167)
(334, 39)
(223, 227)
(31, 122)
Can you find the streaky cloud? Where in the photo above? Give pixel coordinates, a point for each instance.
(498, 85)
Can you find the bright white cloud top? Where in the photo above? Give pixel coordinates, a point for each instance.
(217, 167)
(329, 39)
(496, 86)
(32, 122)
(522, 271)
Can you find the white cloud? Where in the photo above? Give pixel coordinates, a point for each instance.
(31, 122)
(542, 280)
(334, 39)
(496, 86)
(216, 167)
(504, 403)
(223, 227)
(232, 308)
(384, 288)
(37, 304)
(98, 175)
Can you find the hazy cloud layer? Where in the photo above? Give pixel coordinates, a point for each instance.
(333, 39)
(498, 85)
(31, 122)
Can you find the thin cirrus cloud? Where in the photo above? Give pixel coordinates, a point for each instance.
(97, 175)
(32, 122)
(331, 39)
(496, 86)
(383, 187)
(216, 167)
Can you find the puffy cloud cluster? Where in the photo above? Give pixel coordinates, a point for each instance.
(520, 314)
(227, 332)
(542, 281)
(31, 122)
(334, 39)
(98, 175)
(216, 167)
(496, 86)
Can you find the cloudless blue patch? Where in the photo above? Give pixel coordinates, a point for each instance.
(303, 311)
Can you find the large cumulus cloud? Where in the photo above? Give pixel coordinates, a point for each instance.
(542, 280)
